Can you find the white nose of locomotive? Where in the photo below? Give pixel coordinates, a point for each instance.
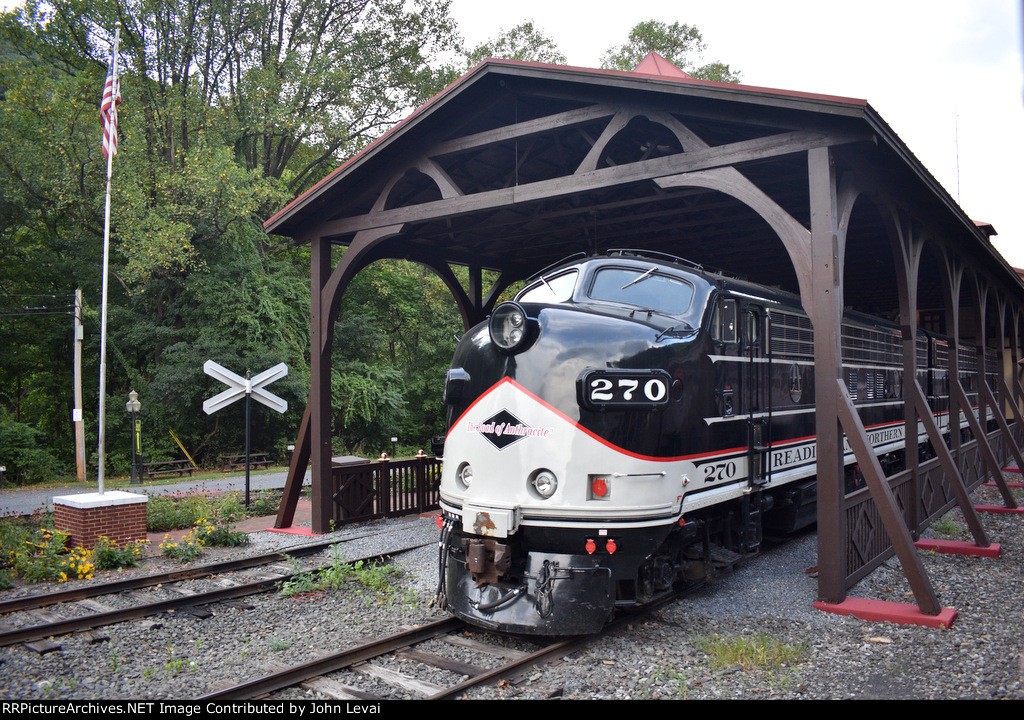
(507, 464)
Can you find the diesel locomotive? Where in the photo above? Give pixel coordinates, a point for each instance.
(631, 423)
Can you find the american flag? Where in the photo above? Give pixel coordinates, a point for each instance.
(108, 113)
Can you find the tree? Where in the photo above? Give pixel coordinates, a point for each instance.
(229, 108)
(523, 42)
(679, 43)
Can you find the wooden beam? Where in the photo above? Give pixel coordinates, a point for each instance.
(1004, 489)
(822, 299)
(320, 386)
(885, 502)
(760, 149)
(979, 434)
(296, 473)
(548, 123)
(953, 476)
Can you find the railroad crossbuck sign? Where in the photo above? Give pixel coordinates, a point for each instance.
(239, 387)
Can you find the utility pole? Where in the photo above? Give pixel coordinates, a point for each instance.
(76, 414)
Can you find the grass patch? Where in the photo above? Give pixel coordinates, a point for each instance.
(760, 651)
(947, 525)
(378, 579)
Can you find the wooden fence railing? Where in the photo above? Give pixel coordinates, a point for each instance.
(387, 488)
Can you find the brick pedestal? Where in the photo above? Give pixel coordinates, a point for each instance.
(120, 516)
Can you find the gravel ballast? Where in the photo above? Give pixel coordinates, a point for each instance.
(177, 656)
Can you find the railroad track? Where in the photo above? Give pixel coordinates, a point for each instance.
(345, 675)
(233, 579)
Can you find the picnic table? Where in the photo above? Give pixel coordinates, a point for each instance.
(168, 467)
(237, 462)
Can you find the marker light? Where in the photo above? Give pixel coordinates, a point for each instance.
(610, 546)
(591, 546)
(599, 487)
(508, 327)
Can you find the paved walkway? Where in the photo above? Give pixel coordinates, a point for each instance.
(25, 501)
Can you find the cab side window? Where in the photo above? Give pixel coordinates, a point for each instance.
(723, 325)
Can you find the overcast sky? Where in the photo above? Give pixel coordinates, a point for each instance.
(946, 75)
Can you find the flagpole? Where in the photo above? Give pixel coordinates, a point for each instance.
(106, 263)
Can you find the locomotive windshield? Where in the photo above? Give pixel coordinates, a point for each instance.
(553, 289)
(642, 287)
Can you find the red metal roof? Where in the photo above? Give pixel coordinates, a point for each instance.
(655, 64)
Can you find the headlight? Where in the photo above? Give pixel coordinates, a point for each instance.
(509, 327)
(545, 483)
(464, 475)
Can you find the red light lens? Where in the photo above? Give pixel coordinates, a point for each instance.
(611, 547)
(599, 487)
(591, 547)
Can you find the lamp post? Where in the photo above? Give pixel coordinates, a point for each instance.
(133, 406)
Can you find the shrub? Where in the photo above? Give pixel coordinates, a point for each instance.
(23, 448)
(108, 556)
(219, 536)
(186, 550)
(168, 512)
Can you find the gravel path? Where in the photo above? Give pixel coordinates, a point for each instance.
(663, 656)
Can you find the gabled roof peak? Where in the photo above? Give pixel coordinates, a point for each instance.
(655, 64)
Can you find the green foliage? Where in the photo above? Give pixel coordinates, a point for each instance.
(185, 550)
(679, 43)
(522, 42)
(40, 554)
(176, 512)
(24, 452)
(204, 158)
(379, 579)
(107, 555)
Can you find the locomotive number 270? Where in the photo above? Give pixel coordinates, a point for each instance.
(601, 388)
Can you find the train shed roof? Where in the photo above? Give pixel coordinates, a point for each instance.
(518, 164)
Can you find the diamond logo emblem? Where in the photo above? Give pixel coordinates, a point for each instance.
(503, 429)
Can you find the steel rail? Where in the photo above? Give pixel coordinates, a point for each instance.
(30, 602)
(554, 650)
(338, 661)
(296, 674)
(36, 632)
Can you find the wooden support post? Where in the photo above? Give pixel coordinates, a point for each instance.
(953, 476)
(1005, 429)
(986, 449)
(899, 535)
(320, 386)
(825, 308)
(296, 475)
(1017, 417)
